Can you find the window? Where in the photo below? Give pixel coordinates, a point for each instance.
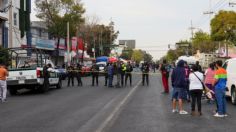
(15, 19)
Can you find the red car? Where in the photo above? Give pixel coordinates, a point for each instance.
(86, 70)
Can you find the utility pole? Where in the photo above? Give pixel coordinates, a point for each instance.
(68, 43)
(192, 30)
(10, 25)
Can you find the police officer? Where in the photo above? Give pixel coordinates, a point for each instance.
(95, 70)
(145, 73)
(117, 71)
(128, 74)
(78, 74)
(123, 70)
(70, 75)
(106, 74)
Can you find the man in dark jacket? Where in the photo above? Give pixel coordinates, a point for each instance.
(145, 73)
(178, 80)
(95, 70)
(78, 74)
(110, 73)
(128, 74)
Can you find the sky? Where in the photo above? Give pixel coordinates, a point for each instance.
(154, 23)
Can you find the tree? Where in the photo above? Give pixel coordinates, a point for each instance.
(223, 26)
(172, 55)
(56, 14)
(147, 57)
(4, 56)
(99, 36)
(127, 54)
(202, 41)
(137, 56)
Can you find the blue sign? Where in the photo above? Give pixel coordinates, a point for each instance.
(45, 44)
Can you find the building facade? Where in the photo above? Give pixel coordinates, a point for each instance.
(19, 33)
(129, 44)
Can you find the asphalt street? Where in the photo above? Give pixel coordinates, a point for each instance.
(134, 108)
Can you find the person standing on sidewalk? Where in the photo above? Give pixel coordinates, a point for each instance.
(128, 74)
(178, 84)
(196, 88)
(3, 83)
(220, 89)
(165, 76)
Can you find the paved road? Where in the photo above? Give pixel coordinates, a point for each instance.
(95, 109)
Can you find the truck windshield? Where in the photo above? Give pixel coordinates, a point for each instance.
(27, 63)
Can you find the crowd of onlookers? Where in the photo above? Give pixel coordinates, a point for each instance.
(189, 83)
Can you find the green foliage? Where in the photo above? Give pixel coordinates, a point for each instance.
(127, 54)
(137, 56)
(202, 41)
(4, 56)
(56, 13)
(172, 55)
(100, 36)
(223, 26)
(147, 57)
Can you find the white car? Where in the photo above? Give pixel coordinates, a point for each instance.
(230, 66)
(101, 66)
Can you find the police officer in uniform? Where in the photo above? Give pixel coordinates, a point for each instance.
(70, 75)
(145, 73)
(78, 74)
(128, 74)
(95, 73)
(123, 70)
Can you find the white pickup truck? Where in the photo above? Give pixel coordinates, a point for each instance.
(26, 72)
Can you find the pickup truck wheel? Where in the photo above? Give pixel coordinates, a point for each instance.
(233, 96)
(59, 85)
(12, 91)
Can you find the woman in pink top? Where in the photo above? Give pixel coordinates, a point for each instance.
(209, 76)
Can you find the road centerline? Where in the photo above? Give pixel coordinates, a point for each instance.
(117, 109)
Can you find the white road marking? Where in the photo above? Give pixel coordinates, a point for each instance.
(117, 109)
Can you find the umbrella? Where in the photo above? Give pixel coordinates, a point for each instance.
(112, 59)
(102, 59)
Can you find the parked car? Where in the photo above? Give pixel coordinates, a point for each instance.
(86, 70)
(230, 65)
(101, 66)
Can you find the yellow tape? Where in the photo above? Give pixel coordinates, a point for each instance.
(136, 73)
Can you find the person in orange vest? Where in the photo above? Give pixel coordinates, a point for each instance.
(3, 82)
